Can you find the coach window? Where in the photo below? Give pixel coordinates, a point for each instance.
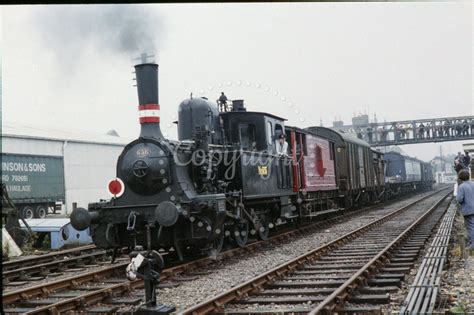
(278, 130)
(331, 151)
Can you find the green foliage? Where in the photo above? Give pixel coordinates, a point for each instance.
(28, 247)
(5, 251)
(459, 308)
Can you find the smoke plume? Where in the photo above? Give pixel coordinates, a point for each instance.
(71, 31)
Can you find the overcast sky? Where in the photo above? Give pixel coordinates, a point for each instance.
(71, 66)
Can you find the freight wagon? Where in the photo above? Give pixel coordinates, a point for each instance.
(405, 173)
(402, 168)
(34, 183)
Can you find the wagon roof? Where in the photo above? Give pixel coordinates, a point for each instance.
(328, 132)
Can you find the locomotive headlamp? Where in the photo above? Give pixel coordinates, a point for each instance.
(116, 187)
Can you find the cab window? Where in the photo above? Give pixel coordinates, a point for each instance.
(269, 132)
(248, 136)
(278, 130)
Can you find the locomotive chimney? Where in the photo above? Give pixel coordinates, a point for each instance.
(148, 108)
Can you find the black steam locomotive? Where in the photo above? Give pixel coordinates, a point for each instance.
(228, 178)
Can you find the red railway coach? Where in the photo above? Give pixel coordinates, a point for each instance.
(320, 170)
(360, 176)
(314, 167)
(334, 170)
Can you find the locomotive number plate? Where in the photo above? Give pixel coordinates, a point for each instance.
(262, 170)
(143, 152)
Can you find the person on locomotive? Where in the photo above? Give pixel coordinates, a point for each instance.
(282, 146)
(222, 102)
(465, 197)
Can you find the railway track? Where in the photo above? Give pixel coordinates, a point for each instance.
(352, 274)
(82, 292)
(21, 271)
(40, 259)
(35, 299)
(424, 289)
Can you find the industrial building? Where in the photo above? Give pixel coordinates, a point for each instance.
(89, 159)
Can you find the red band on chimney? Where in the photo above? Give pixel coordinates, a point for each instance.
(148, 106)
(149, 113)
(149, 120)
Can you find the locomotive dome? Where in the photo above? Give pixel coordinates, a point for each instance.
(197, 113)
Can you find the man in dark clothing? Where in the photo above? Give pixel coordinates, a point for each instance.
(465, 128)
(447, 127)
(458, 163)
(369, 133)
(458, 166)
(396, 131)
(422, 131)
(223, 102)
(458, 127)
(466, 160)
(465, 197)
(403, 131)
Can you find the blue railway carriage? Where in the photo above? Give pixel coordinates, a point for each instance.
(405, 174)
(427, 178)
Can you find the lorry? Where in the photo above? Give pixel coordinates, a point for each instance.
(35, 183)
(13, 235)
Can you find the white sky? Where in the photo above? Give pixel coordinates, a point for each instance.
(399, 60)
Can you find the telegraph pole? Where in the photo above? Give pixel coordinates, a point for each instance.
(443, 167)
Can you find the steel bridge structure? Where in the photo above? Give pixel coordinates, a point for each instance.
(411, 131)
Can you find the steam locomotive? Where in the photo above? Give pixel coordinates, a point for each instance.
(224, 179)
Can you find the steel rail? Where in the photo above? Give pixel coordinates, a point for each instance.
(26, 261)
(423, 292)
(351, 285)
(51, 265)
(44, 290)
(216, 303)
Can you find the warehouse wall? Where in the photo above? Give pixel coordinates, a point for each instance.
(88, 167)
(32, 146)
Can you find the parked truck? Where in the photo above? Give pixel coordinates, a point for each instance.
(34, 183)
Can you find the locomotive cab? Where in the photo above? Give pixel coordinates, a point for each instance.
(244, 128)
(261, 172)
